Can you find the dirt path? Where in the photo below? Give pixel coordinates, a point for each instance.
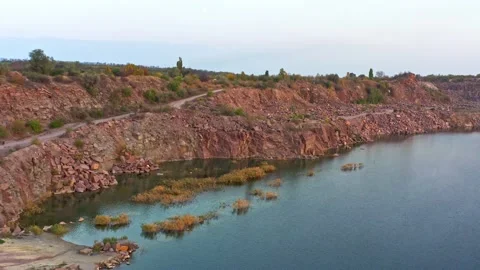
(7, 146)
(44, 250)
(352, 117)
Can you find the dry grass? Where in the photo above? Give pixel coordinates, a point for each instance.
(310, 173)
(257, 193)
(275, 183)
(269, 195)
(267, 167)
(178, 224)
(103, 220)
(184, 190)
(241, 205)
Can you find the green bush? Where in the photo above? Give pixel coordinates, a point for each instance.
(78, 113)
(229, 111)
(37, 77)
(117, 71)
(57, 71)
(56, 123)
(35, 230)
(174, 85)
(375, 96)
(126, 92)
(35, 126)
(181, 93)
(150, 95)
(3, 132)
(89, 81)
(210, 93)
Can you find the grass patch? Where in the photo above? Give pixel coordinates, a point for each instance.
(3, 132)
(104, 220)
(178, 224)
(35, 126)
(57, 123)
(59, 229)
(230, 111)
(126, 92)
(2, 241)
(184, 190)
(35, 230)
(78, 143)
(257, 193)
(18, 128)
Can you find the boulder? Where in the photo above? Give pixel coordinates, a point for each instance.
(85, 251)
(81, 219)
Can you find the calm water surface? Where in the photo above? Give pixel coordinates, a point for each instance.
(415, 205)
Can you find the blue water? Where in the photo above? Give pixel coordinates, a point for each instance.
(415, 205)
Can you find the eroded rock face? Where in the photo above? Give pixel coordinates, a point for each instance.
(272, 130)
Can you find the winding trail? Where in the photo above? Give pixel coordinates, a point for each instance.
(7, 146)
(352, 117)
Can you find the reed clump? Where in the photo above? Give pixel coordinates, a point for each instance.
(104, 220)
(184, 190)
(275, 183)
(178, 224)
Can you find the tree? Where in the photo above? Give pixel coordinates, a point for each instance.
(266, 73)
(40, 62)
(180, 65)
(370, 74)
(380, 74)
(282, 74)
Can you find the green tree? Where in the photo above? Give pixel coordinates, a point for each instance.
(40, 62)
(180, 65)
(370, 74)
(282, 74)
(266, 73)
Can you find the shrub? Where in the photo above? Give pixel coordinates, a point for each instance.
(333, 78)
(89, 82)
(92, 91)
(150, 228)
(18, 128)
(4, 68)
(117, 71)
(57, 71)
(229, 111)
(62, 79)
(181, 93)
(257, 193)
(101, 220)
(57, 123)
(2, 241)
(310, 173)
(78, 113)
(78, 143)
(96, 113)
(58, 229)
(210, 93)
(35, 126)
(35, 230)
(174, 85)
(151, 95)
(375, 96)
(126, 92)
(3, 132)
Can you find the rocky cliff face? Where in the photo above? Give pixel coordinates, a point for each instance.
(279, 124)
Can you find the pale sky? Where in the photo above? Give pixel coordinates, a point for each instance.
(308, 37)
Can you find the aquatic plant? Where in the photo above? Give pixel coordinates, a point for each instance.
(257, 193)
(178, 224)
(104, 220)
(351, 166)
(184, 190)
(275, 183)
(241, 205)
(310, 173)
(270, 195)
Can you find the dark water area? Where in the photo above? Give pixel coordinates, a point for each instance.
(415, 205)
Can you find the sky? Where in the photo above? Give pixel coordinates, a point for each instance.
(301, 36)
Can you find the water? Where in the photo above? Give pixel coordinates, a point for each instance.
(415, 205)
